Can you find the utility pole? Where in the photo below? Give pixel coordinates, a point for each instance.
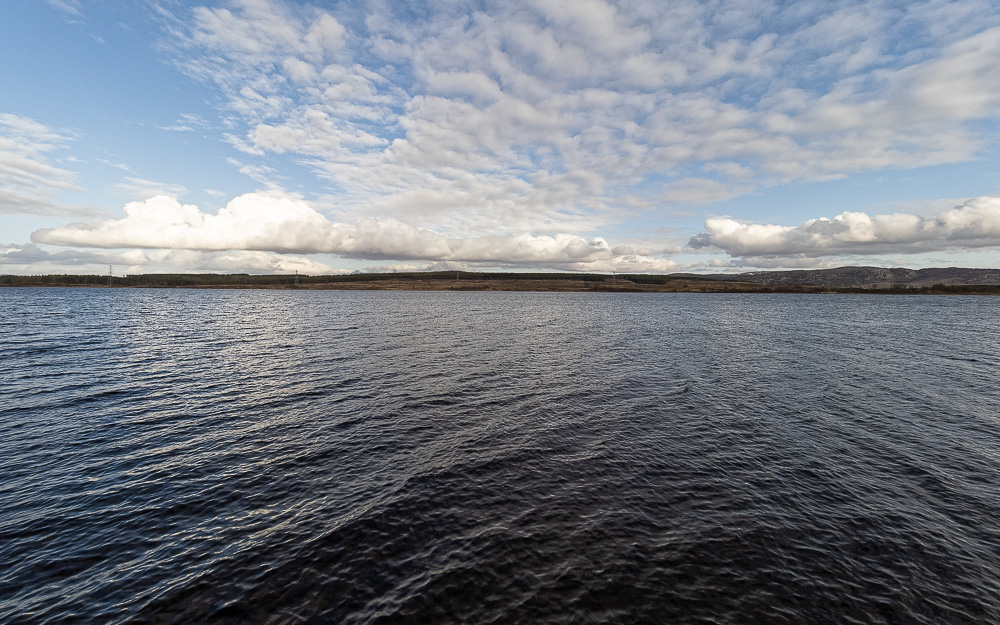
(109, 275)
(296, 277)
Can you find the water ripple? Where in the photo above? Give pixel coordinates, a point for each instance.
(376, 457)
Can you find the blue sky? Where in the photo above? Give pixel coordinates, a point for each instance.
(320, 137)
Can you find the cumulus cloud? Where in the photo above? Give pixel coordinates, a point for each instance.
(972, 224)
(276, 222)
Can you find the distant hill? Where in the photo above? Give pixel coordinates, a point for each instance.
(862, 277)
(842, 279)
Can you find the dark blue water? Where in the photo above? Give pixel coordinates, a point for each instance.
(181, 456)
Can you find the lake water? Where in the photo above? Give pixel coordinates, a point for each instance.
(179, 456)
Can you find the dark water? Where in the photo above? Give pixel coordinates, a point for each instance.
(349, 457)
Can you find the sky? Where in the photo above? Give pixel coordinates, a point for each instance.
(274, 136)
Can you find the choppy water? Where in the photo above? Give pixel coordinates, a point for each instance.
(173, 456)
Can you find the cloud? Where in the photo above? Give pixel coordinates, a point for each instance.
(187, 122)
(260, 29)
(529, 116)
(33, 255)
(242, 261)
(70, 7)
(121, 166)
(34, 259)
(142, 188)
(29, 182)
(972, 224)
(777, 262)
(692, 191)
(276, 222)
(265, 175)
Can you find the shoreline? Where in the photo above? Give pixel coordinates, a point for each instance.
(873, 280)
(545, 286)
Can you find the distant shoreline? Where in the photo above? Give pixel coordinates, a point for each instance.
(567, 283)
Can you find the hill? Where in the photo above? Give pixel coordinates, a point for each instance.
(863, 277)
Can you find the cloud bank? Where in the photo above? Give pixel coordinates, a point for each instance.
(255, 229)
(973, 224)
(34, 259)
(276, 222)
(533, 133)
(547, 115)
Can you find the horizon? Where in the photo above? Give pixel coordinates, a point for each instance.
(512, 272)
(275, 136)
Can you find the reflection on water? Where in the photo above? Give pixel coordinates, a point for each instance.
(286, 456)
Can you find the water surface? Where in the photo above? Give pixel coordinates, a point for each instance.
(177, 456)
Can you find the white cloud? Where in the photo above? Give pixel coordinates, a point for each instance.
(187, 122)
(121, 166)
(134, 187)
(692, 191)
(70, 7)
(37, 258)
(548, 112)
(177, 128)
(259, 29)
(276, 222)
(31, 259)
(29, 182)
(778, 262)
(243, 261)
(973, 224)
(265, 175)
